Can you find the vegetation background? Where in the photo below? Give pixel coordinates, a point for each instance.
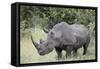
(34, 18)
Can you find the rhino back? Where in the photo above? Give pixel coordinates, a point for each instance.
(79, 30)
(71, 33)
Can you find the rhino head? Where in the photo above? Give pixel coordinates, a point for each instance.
(42, 47)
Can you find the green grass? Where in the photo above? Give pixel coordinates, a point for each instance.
(29, 53)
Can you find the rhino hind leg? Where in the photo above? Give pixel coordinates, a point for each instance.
(85, 49)
(59, 53)
(85, 46)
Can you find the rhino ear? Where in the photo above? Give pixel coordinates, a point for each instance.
(41, 41)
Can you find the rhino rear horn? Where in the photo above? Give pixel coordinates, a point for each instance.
(45, 30)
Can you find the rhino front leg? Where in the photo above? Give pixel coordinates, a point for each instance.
(75, 53)
(68, 51)
(59, 53)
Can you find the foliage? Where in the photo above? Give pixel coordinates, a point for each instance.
(47, 17)
(92, 28)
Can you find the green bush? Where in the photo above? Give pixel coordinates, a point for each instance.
(47, 17)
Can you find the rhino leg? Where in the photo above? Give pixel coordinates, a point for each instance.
(59, 52)
(85, 49)
(75, 52)
(68, 51)
(85, 46)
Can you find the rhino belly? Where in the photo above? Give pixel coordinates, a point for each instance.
(80, 42)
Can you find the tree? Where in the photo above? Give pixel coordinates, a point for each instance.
(35, 16)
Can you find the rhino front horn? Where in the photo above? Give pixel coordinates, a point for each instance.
(34, 43)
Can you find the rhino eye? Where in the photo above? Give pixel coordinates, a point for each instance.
(47, 44)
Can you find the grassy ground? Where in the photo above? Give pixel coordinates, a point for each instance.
(30, 55)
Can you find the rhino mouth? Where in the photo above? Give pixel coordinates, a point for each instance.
(42, 53)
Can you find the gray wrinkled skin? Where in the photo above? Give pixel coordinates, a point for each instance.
(65, 37)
